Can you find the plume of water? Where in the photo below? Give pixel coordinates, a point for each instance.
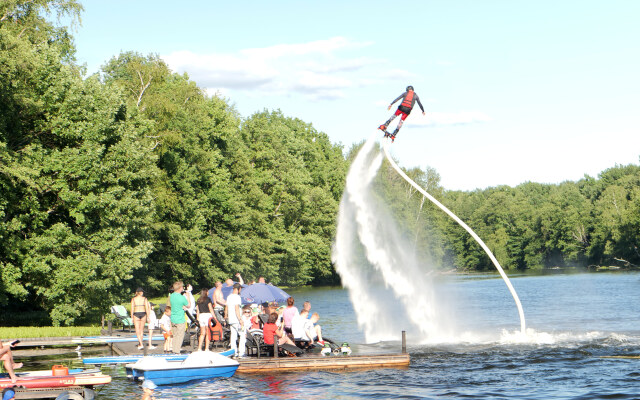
(390, 289)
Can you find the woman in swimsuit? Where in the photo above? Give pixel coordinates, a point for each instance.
(139, 309)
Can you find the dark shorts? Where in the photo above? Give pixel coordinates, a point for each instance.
(403, 113)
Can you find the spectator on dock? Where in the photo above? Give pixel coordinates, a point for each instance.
(7, 360)
(246, 318)
(139, 311)
(229, 282)
(306, 306)
(179, 303)
(204, 312)
(189, 295)
(270, 329)
(165, 326)
(287, 315)
(233, 315)
(152, 324)
(262, 280)
(306, 328)
(219, 302)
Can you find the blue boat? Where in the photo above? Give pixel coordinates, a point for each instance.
(135, 357)
(197, 366)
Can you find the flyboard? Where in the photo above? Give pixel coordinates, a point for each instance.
(385, 146)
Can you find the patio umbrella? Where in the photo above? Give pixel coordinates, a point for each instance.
(226, 291)
(261, 292)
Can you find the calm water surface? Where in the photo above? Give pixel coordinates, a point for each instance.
(573, 320)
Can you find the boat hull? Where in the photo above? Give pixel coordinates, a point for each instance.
(183, 375)
(197, 366)
(136, 357)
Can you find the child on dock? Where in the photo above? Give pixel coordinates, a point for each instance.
(165, 326)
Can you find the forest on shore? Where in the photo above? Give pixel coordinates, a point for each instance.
(134, 176)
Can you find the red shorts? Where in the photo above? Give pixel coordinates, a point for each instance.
(404, 114)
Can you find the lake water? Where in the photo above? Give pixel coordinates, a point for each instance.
(572, 320)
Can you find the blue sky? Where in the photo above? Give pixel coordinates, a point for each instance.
(515, 91)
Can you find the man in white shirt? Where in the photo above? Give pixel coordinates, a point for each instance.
(233, 315)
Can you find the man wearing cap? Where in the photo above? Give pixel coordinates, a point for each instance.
(233, 314)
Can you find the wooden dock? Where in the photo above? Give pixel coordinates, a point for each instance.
(251, 364)
(317, 362)
(288, 364)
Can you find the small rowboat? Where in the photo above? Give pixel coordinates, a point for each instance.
(197, 366)
(135, 357)
(49, 379)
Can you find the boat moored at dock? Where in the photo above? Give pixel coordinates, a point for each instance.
(197, 366)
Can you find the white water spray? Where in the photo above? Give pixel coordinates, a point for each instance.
(390, 289)
(466, 227)
(388, 286)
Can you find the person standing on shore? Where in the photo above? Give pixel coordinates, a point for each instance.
(179, 303)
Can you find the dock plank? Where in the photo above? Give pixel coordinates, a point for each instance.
(315, 362)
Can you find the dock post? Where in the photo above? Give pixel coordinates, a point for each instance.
(404, 342)
(110, 326)
(275, 346)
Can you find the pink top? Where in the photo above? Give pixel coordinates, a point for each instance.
(288, 314)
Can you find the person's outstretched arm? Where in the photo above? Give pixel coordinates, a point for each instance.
(397, 98)
(419, 103)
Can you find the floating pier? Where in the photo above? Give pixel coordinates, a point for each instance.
(306, 362)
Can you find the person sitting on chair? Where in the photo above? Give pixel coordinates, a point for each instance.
(270, 328)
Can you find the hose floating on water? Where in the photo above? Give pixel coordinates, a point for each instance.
(385, 146)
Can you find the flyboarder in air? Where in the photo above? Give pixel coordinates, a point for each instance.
(409, 98)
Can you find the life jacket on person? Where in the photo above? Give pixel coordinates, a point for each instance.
(408, 99)
(215, 330)
(407, 102)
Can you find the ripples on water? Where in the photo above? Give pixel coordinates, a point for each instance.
(559, 359)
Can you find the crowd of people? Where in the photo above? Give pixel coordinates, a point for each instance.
(213, 311)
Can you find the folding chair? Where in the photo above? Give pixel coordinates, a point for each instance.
(121, 314)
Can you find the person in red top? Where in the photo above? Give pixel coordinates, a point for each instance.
(270, 328)
(409, 99)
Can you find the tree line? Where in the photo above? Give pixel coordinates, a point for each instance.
(134, 176)
(590, 222)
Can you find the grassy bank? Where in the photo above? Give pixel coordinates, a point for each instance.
(47, 331)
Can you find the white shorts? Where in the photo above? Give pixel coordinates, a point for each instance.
(203, 318)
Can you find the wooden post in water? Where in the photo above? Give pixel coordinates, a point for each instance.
(404, 342)
(275, 346)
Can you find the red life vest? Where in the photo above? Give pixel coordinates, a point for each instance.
(408, 100)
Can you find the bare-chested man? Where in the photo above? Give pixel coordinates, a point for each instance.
(218, 301)
(7, 359)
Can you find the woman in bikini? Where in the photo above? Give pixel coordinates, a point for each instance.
(139, 309)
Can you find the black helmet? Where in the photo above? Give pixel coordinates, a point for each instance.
(409, 88)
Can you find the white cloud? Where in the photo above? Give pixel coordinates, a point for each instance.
(441, 119)
(321, 69)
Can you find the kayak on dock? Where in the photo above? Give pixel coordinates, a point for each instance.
(197, 366)
(56, 378)
(136, 357)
